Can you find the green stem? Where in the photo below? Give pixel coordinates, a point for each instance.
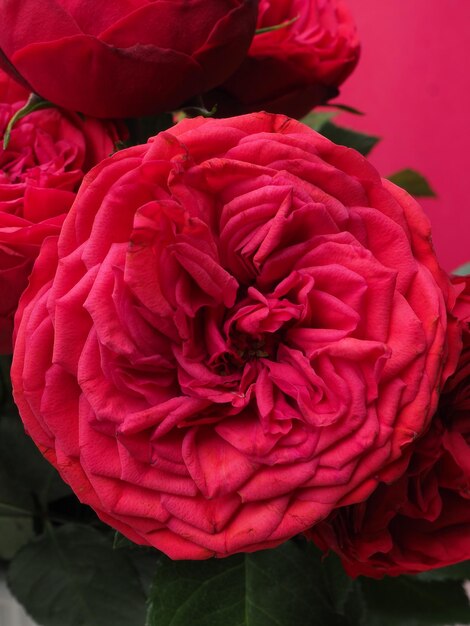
(269, 29)
(34, 103)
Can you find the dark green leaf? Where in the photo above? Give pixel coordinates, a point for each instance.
(27, 483)
(21, 460)
(16, 517)
(461, 571)
(339, 585)
(122, 543)
(413, 182)
(141, 128)
(145, 559)
(317, 120)
(73, 577)
(345, 107)
(6, 399)
(15, 532)
(355, 608)
(281, 587)
(351, 138)
(406, 601)
(145, 562)
(463, 270)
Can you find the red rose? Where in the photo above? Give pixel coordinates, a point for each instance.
(41, 169)
(124, 59)
(422, 521)
(260, 333)
(294, 68)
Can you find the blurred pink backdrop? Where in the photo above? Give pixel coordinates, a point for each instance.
(413, 83)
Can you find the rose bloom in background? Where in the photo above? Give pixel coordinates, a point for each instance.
(254, 342)
(422, 521)
(124, 59)
(294, 68)
(40, 171)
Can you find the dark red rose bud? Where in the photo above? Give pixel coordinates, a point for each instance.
(119, 58)
(295, 67)
(48, 153)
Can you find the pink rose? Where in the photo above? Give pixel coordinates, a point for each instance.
(255, 341)
(48, 154)
(421, 521)
(292, 69)
(124, 58)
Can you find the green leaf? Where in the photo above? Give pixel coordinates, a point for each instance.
(27, 484)
(141, 128)
(145, 559)
(350, 138)
(122, 543)
(413, 182)
(318, 119)
(21, 461)
(6, 399)
(339, 585)
(16, 517)
(460, 571)
(463, 270)
(34, 103)
(14, 534)
(73, 577)
(406, 601)
(345, 108)
(355, 608)
(281, 587)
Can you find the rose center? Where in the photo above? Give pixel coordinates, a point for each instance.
(241, 348)
(249, 347)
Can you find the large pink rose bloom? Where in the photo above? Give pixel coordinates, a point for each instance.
(40, 171)
(240, 327)
(124, 58)
(294, 68)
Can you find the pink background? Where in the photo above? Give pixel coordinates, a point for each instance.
(413, 83)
